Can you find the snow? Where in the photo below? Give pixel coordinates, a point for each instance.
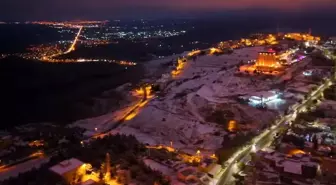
(103, 122)
(301, 87)
(158, 167)
(206, 82)
(66, 166)
(179, 127)
(292, 167)
(193, 107)
(142, 137)
(14, 171)
(328, 104)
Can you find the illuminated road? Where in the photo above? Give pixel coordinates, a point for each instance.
(72, 47)
(261, 141)
(23, 165)
(266, 137)
(130, 114)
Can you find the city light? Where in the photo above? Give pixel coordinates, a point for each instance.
(254, 148)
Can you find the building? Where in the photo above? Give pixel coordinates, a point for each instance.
(298, 166)
(187, 174)
(266, 63)
(263, 97)
(266, 59)
(216, 168)
(67, 169)
(124, 176)
(89, 182)
(302, 37)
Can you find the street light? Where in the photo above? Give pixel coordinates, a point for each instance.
(254, 148)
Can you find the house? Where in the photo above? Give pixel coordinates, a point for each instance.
(187, 174)
(68, 168)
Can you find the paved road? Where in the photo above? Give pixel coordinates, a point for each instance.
(262, 140)
(135, 108)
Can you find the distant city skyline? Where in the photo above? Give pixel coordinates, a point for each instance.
(110, 9)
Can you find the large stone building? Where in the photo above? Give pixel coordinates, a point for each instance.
(266, 59)
(67, 169)
(266, 63)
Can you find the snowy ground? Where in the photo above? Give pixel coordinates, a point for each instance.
(22, 167)
(160, 124)
(103, 122)
(207, 82)
(159, 167)
(328, 104)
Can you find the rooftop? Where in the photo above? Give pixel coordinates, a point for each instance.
(293, 167)
(88, 182)
(66, 166)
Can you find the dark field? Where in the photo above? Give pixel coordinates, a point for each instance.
(57, 92)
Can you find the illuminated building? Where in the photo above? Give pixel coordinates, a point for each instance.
(194, 53)
(124, 176)
(214, 50)
(232, 125)
(36, 143)
(266, 59)
(308, 72)
(179, 67)
(270, 39)
(266, 63)
(246, 42)
(263, 97)
(67, 169)
(302, 37)
(295, 152)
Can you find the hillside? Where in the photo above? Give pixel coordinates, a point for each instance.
(34, 91)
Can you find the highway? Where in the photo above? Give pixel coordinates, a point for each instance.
(71, 48)
(266, 137)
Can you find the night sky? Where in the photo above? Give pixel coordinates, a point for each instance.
(110, 9)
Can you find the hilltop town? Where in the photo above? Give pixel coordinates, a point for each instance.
(259, 110)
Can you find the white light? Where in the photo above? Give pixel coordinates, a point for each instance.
(254, 148)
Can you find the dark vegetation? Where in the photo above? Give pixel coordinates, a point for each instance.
(15, 38)
(318, 59)
(330, 93)
(221, 117)
(57, 92)
(297, 141)
(53, 138)
(231, 145)
(41, 176)
(125, 153)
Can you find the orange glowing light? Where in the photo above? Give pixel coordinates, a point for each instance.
(214, 50)
(131, 115)
(192, 53)
(296, 151)
(72, 47)
(142, 104)
(232, 126)
(180, 66)
(36, 143)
